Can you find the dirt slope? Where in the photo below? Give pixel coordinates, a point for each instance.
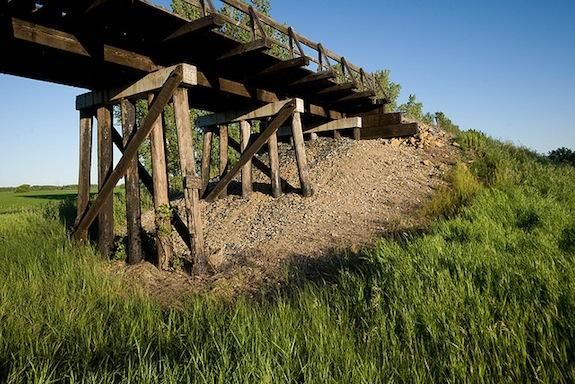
(363, 189)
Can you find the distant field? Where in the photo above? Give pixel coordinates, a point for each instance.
(14, 202)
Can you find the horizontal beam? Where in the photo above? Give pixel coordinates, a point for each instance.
(247, 48)
(283, 66)
(314, 77)
(389, 131)
(149, 83)
(242, 115)
(205, 23)
(347, 123)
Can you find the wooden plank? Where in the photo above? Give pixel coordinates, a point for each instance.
(378, 120)
(299, 147)
(338, 88)
(132, 185)
(191, 192)
(224, 162)
(283, 66)
(246, 134)
(247, 48)
(347, 123)
(237, 116)
(85, 164)
(274, 165)
(355, 97)
(130, 152)
(314, 77)
(390, 131)
(161, 194)
(148, 83)
(105, 166)
(202, 24)
(247, 155)
(206, 159)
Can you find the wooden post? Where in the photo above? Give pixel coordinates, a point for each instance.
(313, 136)
(299, 147)
(85, 166)
(246, 133)
(223, 153)
(274, 165)
(191, 189)
(132, 185)
(357, 133)
(336, 134)
(105, 166)
(161, 198)
(206, 159)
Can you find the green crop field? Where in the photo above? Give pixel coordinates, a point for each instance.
(12, 202)
(485, 294)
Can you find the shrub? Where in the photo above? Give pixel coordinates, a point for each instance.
(23, 188)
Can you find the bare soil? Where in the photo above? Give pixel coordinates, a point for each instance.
(362, 190)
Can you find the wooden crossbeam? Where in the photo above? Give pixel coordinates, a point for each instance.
(253, 46)
(250, 151)
(130, 152)
(283, 66)
(93, 5)
(314, 77)
(355, 96)
(237, 116)
(206, 23)
(344, 87)
(149, 83)
(347, 123)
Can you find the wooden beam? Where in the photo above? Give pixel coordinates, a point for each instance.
(314, 77)
(224, 163)
(283, 66)
(247, 155)
(162, 210)
(141, 88)
(344, 87)
(237, 116)
(347, 123)
(299, 147)
(247, 48)
(130, 152)
(191, 194)
(206, 159)
(354, 97)
(274, 165)
(132, 185)
(246, 134)
(93, 5)
(206, 23)
(105, 166)
(389, 131)
(85, 164)
(379, 120)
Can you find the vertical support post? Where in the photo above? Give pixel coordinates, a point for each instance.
(206, 158)
(223, 154)
(191, 191)
(274, 165)
(132, 185)
(299, 147)
(246, 133)
(336, 134)
(313, 136)
(84, 167)
(357, 133)
(161, 198)
(105, 166)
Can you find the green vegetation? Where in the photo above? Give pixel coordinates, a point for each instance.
(13, 201)
(487, 293)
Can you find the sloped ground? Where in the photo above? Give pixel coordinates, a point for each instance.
(363, 189)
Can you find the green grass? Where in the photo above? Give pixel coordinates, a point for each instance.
(487, 294)
(14, 202)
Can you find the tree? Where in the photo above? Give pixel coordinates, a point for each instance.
(562, 156)
(412, 109)
(445, 123)
(392, 90)
(23, 188)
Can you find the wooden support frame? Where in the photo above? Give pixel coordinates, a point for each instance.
(237, 116)
(247, 182)
(281, 117)
(206, 159)
(274, 165)
(299, 147)
(209, 22)
(283, 66)
(314, 77)
(105, 165)
(191, 180)
(85, 164)
(347, 123)
(132, 185)
(253, 46)
(223, 158)
(130, 152)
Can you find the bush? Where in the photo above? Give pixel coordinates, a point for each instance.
(23, 188)
(562, 156)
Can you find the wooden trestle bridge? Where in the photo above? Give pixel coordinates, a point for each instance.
(125, 50)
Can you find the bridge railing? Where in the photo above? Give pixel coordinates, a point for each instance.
(287, 43)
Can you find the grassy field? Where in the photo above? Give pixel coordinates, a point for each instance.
(14, 202)
(487, 294)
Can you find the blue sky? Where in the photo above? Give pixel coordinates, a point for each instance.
(504, 67)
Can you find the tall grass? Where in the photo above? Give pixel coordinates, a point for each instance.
(486, 295)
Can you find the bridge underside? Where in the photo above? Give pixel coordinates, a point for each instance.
(125, 50)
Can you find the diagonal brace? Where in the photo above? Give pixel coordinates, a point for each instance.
(81, 229)
(250, 151)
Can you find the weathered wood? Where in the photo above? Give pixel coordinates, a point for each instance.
(251, 47)
(313, 136)
(205, 23)
(237, 116)
(357, 133)
(274, 165)
(379, 120)
(246, 134)
(389, 131)
(284, 66)
(85, 164)
(161, 195)
(224, 163)
(347, 123)
(336, 134)
(299, 147)
(132, 185)
(191, 192)
(129, 153)
(314, 77)
(338, 88)
(105, 165)
(206, 159)
(354, 97)
(247, 155)
(141, 88)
